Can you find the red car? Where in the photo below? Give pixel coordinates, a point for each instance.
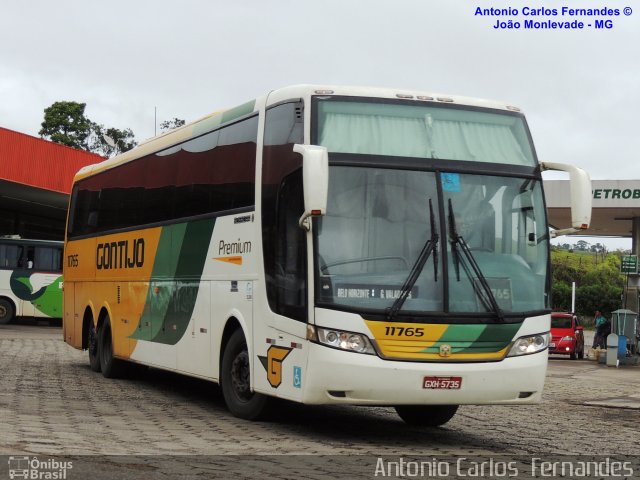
(567, 336)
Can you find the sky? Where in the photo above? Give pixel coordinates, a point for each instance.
(127, 60)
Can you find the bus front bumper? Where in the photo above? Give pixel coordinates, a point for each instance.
(340, 377)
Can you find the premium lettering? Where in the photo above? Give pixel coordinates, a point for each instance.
(229, 248)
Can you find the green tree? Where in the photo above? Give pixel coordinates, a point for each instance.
(561, 295)
(582, 245)
(109, 142)
(599, 286)
(598, 296)
(65, 123)
(171, 124)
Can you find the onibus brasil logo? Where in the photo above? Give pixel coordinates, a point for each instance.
(36, 469)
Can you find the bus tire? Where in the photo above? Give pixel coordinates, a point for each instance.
(92, 347)
(235, 381)
(426, 415)
(7, 312)
(110, 366)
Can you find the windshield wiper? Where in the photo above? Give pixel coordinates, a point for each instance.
(429, 248)
(461, 251)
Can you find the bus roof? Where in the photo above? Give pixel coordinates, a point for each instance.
(303, 91)
(211, 121)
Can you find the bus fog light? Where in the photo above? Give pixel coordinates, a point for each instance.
(349, 341)
(530, 344)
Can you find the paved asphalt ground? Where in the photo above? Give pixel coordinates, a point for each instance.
(53, 406)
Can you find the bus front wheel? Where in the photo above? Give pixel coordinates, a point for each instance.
(6, 311)
(235, 381)
(426, 415)
(110, 366)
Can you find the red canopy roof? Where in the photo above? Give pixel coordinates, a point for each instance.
(40, 163)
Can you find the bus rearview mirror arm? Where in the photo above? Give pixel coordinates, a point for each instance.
(580, 186)
(315, 181)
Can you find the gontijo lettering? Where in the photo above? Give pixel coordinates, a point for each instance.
(120, 254)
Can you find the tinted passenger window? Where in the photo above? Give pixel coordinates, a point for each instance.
(47, 259)
(209, 174)
(9, 256)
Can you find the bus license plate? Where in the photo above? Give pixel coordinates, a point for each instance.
(443, 383)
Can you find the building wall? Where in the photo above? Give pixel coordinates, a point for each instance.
(39, 163)
(35, 182)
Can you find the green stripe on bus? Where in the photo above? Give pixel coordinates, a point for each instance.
(164, 266)
(184, 292)
(239, 111)
(181, 256)
(475, 338)
(209, 124)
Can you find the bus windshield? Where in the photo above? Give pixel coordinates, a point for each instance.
(489, 250)
(378, 221)
(422, 130)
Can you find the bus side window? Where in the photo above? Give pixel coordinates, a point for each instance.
(10, 256)
(26, 257)
(47, 259)
(290, 255)
(284, 242)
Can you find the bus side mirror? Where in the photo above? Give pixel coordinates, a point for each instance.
(315, 181)
(580, 185)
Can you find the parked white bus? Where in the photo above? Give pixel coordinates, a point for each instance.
(30, 278)
(324, 245)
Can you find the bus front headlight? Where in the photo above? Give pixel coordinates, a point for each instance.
(349, 341)
(529, 344)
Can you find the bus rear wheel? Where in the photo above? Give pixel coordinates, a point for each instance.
(426, 415)
(110, 366)
(92, 347)
(6, 311)
(235, 381)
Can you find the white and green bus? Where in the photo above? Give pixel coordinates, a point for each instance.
(324, 245)
(30, 278)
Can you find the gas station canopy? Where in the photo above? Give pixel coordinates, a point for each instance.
(615, 204)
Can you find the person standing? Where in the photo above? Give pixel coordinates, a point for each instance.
(600, 321)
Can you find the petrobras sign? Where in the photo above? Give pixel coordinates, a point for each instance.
(616, 193)
(605, 193)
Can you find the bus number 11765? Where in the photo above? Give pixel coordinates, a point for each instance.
(404, 331)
